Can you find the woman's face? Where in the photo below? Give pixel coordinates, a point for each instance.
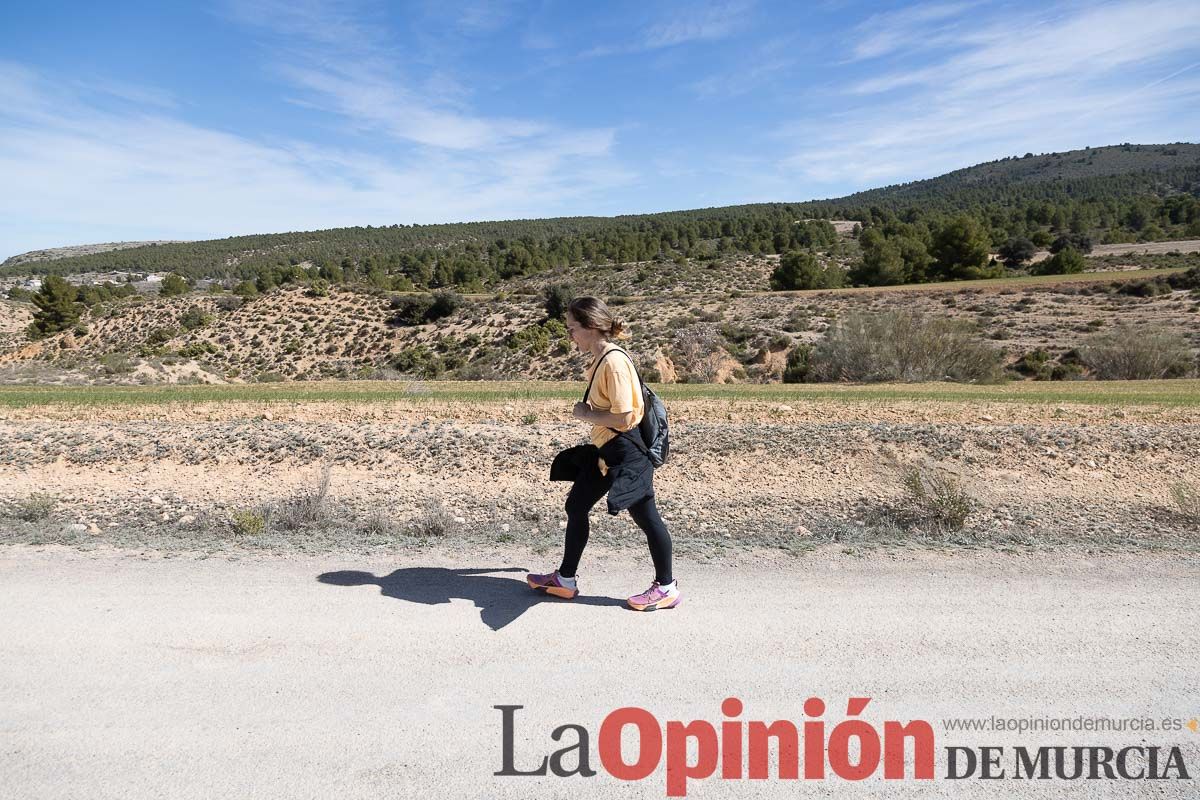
(581, 336)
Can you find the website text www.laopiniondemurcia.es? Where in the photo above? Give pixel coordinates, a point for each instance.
(853, 750)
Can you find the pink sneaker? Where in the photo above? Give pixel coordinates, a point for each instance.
(656, 597)
(551, 584)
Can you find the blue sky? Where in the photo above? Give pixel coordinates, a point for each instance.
(151, 120)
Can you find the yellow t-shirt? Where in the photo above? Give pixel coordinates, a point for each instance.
(616, 390)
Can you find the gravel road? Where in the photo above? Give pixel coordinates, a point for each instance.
(370, 676)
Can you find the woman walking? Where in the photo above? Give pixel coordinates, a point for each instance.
(615, 463)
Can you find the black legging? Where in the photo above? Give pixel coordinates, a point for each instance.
(587, 490)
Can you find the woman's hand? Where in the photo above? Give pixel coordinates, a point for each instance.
(582, 411)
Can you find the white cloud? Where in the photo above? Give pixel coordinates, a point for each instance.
(1090, 75)
(887, 32)
(704, 25)
(688, 24)
(77, 173)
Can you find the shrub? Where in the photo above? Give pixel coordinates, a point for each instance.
(798, 320)
(445, 302)
(377, 523)
(318, 288)
(174, 285)
(556, 297)
(410, 310)
(160, 336)
(1185, 280)
(1129, 353)
(194, 318)
(34, 508)
(1067, 261)
(800, 270)
(1080, 242)
(304, 509)
(246, 289)
(422, 308)
(198, 350)
(1187, 500)
(249, 521)
(902, 346)
(937, 498)
(115, 363)
(1017, 251)
(418, 360)
(798, 364)
(434, 520)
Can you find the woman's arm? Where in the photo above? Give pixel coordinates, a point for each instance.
(605, 419)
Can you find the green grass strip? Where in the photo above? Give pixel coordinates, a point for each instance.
(1176, 393)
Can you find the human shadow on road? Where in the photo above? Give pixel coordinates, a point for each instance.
(500, 600)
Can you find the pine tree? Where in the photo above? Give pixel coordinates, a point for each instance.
(57, 307)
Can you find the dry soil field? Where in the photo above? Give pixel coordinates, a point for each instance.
(782, 467)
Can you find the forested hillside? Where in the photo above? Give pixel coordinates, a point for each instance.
(942, 228)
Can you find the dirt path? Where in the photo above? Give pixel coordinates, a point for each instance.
(130, 677)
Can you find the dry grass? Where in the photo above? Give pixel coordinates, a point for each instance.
(936, 498)
(1187, 499)
(434, 521)
(305, 509)
(1138, 353)
(34, 508)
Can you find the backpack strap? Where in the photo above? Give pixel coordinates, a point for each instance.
(635, 439)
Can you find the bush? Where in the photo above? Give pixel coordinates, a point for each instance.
(798, 364)
(1080, 242)
(174, 285)
(160, 336)
(318, 288)
(249, 521)
(445, 302)
(410, 310)
(115, 363)
(194, 318)
(422, 308)
(1187, 500)
(1128, 353)
(434, 520)
(902, 346)
(936, 498)
(304, 509)
(1185, 280)
(800, 270)
(556, 297)
(246, 289)
(1067, 261)
(34, 508)
(198, 350)
(418, 360)
(1017, 251)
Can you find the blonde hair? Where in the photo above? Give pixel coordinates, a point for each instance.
(591, 312)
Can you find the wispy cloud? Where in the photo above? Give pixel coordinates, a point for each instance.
(890, 31)
(76, 172)
(703, 25)
(1011, 83)
(361, 81)
(690, 24)
(761, 65)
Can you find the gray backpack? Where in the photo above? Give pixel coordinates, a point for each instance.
(654, 438)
